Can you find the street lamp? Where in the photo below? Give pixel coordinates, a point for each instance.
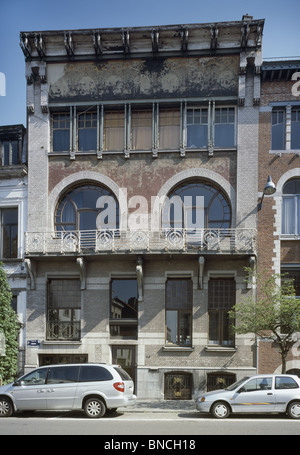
(269, 189)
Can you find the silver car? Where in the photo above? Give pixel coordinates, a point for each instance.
(254, 394)
(93, 388)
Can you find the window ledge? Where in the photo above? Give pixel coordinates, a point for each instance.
(178, 348)
(216, 348)
(58, 342)
(285, 152)
(290, 237)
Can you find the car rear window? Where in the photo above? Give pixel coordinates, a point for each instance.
(124, 375)
(90, 373)
(285, 383)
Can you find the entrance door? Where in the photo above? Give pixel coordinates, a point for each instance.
(125, 357)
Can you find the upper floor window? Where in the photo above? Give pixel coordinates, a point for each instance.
(9, 153)
(200, 205)
(61, 132)
(295, 129)
(286, 128)
(179, 304)
(134, 127)
(291, 208)
(221, 299)
(81, 209)
(87, 131)
(278, 129)
(124, 308)
(9, 232)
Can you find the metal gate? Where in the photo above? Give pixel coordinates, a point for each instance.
(178, 386)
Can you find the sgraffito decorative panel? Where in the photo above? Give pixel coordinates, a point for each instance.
(143, 79)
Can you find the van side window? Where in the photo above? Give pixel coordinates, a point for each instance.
(59, 375)
(90, 373)
(35, 377)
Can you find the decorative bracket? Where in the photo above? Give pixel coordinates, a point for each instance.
(154, 38)
(82, 268)
(69, 45)
(201, 262)
(126, 41)
(30, 266)
(214, 32)
(140, 278)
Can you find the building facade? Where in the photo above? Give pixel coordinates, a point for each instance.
(279, 219)
(13, 220)
(142, 199)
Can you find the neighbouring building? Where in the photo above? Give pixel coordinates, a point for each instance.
(142, 199)
(279, 157)
(13, 220)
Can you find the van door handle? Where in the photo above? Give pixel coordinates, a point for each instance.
(270, 393)
(40, 391)
(50, 390)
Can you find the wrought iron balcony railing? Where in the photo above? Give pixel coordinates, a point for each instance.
(61, 330)
(147, 241)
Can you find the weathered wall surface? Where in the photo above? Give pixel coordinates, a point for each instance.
(142, 79)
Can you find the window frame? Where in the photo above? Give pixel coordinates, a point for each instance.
(181, 311)
(127, 327)
(13, 249)
(293, 212)
(216, 308)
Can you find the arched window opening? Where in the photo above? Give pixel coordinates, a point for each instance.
(291, 207)
(196, 205)
(87, 207)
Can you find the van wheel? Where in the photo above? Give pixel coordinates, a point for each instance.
(94, 408)
(6, 409)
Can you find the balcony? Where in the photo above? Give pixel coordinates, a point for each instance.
(61, 330)
(210, 241)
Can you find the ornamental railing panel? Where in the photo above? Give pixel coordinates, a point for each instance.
(146, 241)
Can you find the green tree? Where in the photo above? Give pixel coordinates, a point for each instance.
(9, 328)
(273, 314)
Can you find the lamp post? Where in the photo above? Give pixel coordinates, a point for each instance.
(269, 189)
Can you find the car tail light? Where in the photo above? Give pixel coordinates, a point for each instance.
(120, 386)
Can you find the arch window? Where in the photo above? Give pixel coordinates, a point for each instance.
(291, 208)
(195, 205)
(87, 207)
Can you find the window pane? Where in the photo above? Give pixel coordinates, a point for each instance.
(5, 153)
(225, 127)
(169, 129)
(221, 294)
(295, 131)
(9, 233)
(197, 128)
(35, 377)
(214, 326)
(91, 373)
(141, 130)
(64, 294)
(172, 329)
(185, 328)
(59, 375)
(278, 130)
(114, 130)
(288, 215)
(14, 152)
(87, 131)
(61, 132)
(179, 294)
(124, 299)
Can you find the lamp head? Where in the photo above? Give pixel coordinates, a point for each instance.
(270, 187)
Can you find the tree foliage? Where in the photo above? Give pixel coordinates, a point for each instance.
(273, 314)
(9, 327)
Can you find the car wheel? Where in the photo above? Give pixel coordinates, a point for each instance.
(220, 410)
(94, 408)
(293, 410)
(6, 408)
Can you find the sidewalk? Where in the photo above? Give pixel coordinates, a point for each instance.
(161, 406)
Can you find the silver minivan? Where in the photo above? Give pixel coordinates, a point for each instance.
(93, 388)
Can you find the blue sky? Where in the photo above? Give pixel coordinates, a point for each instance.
(281, 32)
